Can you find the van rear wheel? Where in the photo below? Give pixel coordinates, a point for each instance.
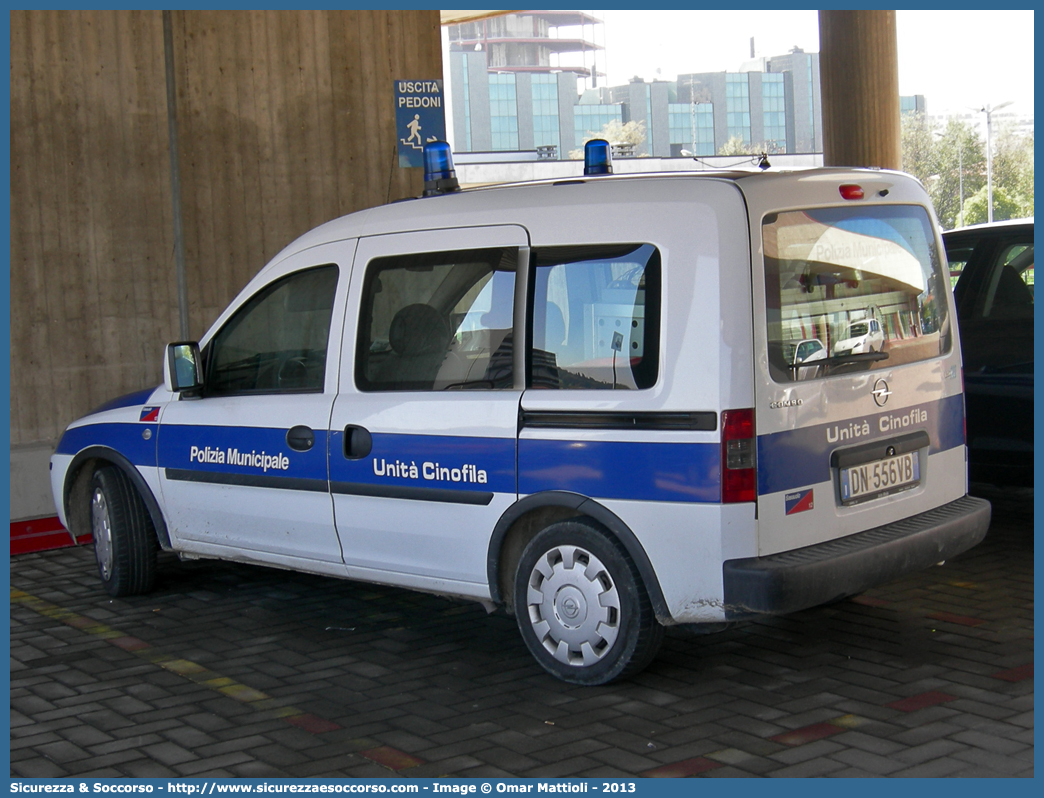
(124, 537)
(581, 606)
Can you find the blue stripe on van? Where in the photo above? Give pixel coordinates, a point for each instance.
(127, 439)
(446, 462)
(252, 451)
(801, 457)
(639, 471)
(127, 400)
(664, 472)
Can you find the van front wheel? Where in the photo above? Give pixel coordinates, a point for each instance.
(124, 538)
(581, 606)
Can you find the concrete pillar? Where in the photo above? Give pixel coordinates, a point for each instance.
(859, 69)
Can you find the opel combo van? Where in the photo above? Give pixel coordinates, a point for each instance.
(575, 400)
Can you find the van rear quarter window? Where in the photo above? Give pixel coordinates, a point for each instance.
(852, 289)
(596, 317)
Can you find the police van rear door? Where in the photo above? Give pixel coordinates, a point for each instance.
(858, 397)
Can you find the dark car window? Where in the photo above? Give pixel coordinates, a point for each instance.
(957, 257)
(1009, 286)
(276, 342)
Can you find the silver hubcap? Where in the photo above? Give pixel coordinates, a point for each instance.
(573, 604)
(102, 532)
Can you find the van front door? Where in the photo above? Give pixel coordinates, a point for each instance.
(424, 428)
(243, 468)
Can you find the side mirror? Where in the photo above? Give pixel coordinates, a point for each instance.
(181, 368)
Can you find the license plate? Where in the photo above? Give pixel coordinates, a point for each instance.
(879, 477)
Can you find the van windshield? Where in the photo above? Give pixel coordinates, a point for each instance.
(866, 284)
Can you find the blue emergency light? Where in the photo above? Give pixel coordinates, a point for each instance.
(439, 175)
(598, 158)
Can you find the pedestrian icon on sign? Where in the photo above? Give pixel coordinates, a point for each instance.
(414, 128)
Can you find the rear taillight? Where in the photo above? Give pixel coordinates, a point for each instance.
(739, 472)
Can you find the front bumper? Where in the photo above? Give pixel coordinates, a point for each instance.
(814, 575)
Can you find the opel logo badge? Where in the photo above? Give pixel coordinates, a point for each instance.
(570, 608)
(880, 393)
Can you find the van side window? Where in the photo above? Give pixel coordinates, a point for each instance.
(276, 342)
(437, 321)
(596, 317)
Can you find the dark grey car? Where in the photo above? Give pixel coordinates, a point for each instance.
(993, 267)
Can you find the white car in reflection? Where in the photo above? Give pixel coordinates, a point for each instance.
(861, 336)
(803, 357)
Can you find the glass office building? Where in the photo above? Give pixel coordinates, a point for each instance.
(511, 89)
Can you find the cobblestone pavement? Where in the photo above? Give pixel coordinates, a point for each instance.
(229, 670)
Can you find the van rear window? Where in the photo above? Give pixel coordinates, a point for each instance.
(852, 289)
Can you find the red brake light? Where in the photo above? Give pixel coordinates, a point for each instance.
(739, 473)
(850, 191)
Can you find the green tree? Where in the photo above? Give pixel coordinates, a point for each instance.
(939, 158)
(958, 152)
(1004, 206)
(1013, 169)
(737, 146)
(616, 132)
(920, 158)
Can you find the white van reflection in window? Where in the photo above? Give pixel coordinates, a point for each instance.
(860, 336)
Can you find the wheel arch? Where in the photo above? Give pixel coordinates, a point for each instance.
(77, 491)
(521, 522)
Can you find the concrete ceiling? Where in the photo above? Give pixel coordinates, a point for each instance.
(454, 17)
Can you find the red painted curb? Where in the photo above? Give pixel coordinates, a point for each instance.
(41, 534)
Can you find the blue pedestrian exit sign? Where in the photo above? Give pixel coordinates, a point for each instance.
(420, 118)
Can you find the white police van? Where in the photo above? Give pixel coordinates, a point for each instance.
(577, 399)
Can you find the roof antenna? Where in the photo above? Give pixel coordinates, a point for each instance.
(763, 162)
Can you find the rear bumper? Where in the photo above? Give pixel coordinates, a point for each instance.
(814, 575)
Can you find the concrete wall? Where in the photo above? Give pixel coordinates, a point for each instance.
(566, 118)
(524, 104)
(478, 86)
(659, 138)
(286, 120)
(757, 107)
(860, 80)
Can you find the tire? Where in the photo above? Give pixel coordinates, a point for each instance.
(586, 625)
(124, 538)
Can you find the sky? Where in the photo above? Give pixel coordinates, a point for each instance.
(957, 59)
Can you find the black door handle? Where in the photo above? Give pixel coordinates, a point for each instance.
(300, 438)
(357, 442)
